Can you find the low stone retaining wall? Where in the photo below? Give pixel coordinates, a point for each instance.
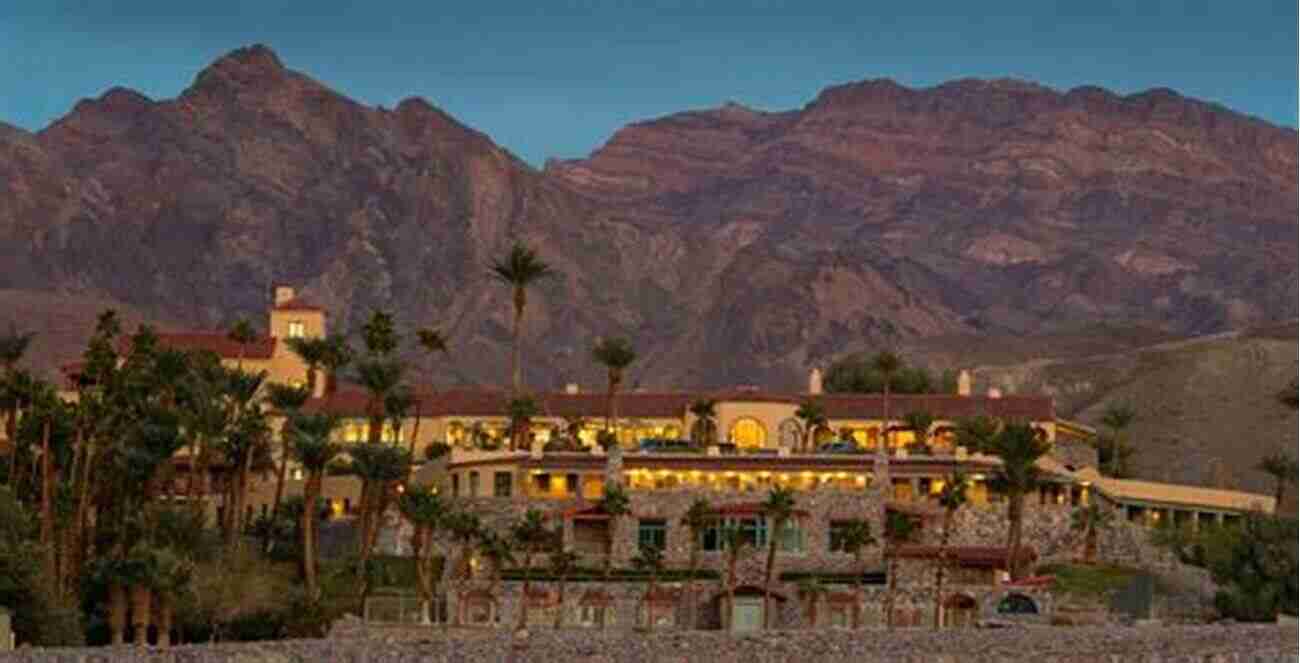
(1203, 644)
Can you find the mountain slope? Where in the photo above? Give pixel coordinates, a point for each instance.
(730, 245)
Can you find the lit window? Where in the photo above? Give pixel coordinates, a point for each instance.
(748, 432)
(753, 532)
(652, 533)
(297, 329)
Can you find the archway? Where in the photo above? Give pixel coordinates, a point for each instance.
(748, 433)
(790, 433)
(1017, 604)
(959, 611)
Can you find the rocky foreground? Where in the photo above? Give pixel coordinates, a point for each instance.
(1039, 644)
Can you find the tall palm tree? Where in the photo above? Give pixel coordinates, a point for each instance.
(813, 416)
(1283, 468)
(1118, 418)
(433, 342)
(615, 504)
(13, 345)
(497, 552)
(1018, 446)
(734, 545)
(285, 401)
(243, 334)
(531, 537)
(465, 528)
(425, 509)
(855, 539)
(521, 410)
(812, 590)
(898, 529)
(779, 509)
(313, 351)
(887, 364)
(379, 467)
(704, 431)
(520, 269)
(1090, 520)
(696, 519)
(649, 558)
(952, 498)
(561, 563)
(615, 354)
(17, 390)
(920, 424)
(337, 356)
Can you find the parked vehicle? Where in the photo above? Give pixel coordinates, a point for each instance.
(665, 445)
(839, 447)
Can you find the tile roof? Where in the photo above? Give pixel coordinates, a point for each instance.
(1172, 493)
(298, 304)
(493, 403)
(261, 348)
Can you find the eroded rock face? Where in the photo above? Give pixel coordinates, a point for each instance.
(731, 244)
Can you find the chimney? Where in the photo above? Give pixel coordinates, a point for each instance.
(963, 383)
(994, 392)
(815, 381)
(283, 295)
(571, 388)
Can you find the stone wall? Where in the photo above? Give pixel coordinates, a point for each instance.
(1204, 644)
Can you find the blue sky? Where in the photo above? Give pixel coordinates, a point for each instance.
(557, 78)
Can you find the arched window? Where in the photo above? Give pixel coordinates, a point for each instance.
(791, 434)
(456, 434)
(1017, 604)
(747, 432)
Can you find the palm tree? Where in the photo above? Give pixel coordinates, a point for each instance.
(432, 341)
(779, 509)
(313, 352)
(497, 552)
(696, 519)
(243, 334)
(1118, 418)
(854, 540)
(1090, 520)
(380, 378)
(521, 411)
(920, 424)
(287, 402)
(313, 447)
(952, 498)
(812, 590)
(379, 467)
(531, 536)
(1018, 446)
(562, 563)
(898, 529)
(338, 354)
(704, 431)
(1283, 468)
(615, 354)
(519, 269)
(813, 416)
(465, 528)
(13, 345)
(615, 504)
(17, 389)
(649, 558)
(887, 364)
(733, 544)
(425, 509)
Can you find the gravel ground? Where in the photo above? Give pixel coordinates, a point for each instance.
(1037, 644)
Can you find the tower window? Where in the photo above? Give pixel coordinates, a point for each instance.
(297, 329)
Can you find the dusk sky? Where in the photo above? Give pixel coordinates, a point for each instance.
(555, 79)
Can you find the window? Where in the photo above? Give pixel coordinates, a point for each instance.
(590, 615)
(753, 532)
(473, 483)
(748, 433)
(790, 538)
(839, 531)
(297, 329)
(652, 533)
(455, 485)
(502, 483)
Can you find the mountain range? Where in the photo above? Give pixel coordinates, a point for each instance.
(731, 245)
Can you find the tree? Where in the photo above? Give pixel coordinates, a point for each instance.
(242, 334)
(854, 540)
(1018, 446)
(465, 529)
(976, 433)
(813, 416)
(531, 537)
(704, 431)
(898, 529)
(1090, 520)
(313, 351)
(497, 552)
(887, 364)
(920, 424)
(858, 374)
(615, 504)
(337, 357)
(313, 447)
(433, 342)
(520, 269)
(379, 467)
(697, 517)
(521, 410)
(615, 354)
(779, 509)
(813, 590)
(952, 498)
(13, 345)
(286, 401)
(650, 559)
(733, 544)
(1284, 470)
(1254, 566)
(562, 563)
(1117, 418)
(425, 510)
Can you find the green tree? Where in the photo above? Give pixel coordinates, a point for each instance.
(1018, 446)
(313, 447)
(615, 354)
(704, 431)
(858, 374)
(899, 529)
(649, 559)
(425, 510)
(696, 519)
(243, 335)
(519, 269)
(1254, 566)
(465, 529)
(433, 342)
(313, 351)
(286, 401)
(521, 410)
(952, 498)
(1283, 469)
(615, 504)
(338, 355)
(734, 545)
(813, 416)
(854, 540)
(778, 508)
(13, 345)
(920, 424)
(562, 564)
(379, 467)
(497, 552)
(1117, 418)
(976, 434)
(887, 364)
(531, 538)
(1090, 520)
(812, 591)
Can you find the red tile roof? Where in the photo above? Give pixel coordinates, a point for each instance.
(493, 403)
(966, 555)
(261, 348)
(298, 304)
